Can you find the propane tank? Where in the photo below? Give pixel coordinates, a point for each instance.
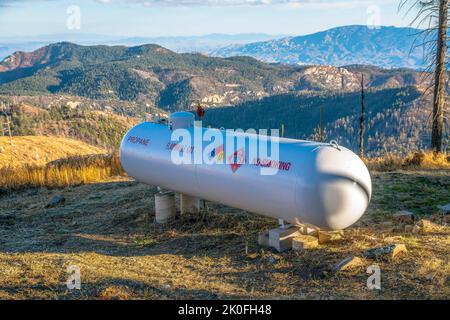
(322, 185)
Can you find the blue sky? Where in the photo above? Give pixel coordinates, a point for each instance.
(20, 18)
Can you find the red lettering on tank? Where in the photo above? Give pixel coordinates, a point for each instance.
(266, 163)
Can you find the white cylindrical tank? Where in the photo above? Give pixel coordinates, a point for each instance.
(318, 184)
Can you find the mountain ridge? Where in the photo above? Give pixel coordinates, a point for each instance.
(155, 76)
(145, 81)
(387, 47)
(196, 43)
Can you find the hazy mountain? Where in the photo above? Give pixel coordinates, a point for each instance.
(204, 43)
(7, 49)
(9, 45)
(387, 47)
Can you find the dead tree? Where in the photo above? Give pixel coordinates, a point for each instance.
(439, 78)
(321, 124)
(362, 120)
(434, 15)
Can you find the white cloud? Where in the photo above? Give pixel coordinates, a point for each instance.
(188, 3)
(291, 3)
(233, 2)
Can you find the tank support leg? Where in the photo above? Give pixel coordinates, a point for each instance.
(189, 204)
(164, 206)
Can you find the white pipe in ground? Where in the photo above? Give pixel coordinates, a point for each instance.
(165, 206)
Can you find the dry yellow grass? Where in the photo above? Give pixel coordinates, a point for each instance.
(53, 162)
(412, 161)
(61, 173)
(108, 231)
(39, 150)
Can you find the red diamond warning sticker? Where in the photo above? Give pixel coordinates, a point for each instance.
(237, 159)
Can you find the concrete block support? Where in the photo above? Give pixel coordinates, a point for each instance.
(189, 204)
(281, 238)
(304, 242)
(165, 206)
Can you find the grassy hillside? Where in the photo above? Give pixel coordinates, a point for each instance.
(39, 150)
(82, 123)
(142, 72)
(51, 162)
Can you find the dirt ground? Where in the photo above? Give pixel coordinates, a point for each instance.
(108, 231)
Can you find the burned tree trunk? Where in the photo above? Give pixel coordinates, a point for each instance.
(362, 121)
(439, 78)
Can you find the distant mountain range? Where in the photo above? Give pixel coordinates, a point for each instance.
(204, 43)
(145, 80)
(158, 77)
(386, 47)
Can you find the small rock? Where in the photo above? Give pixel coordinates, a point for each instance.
(430, 276)
(392, 251)
(399, 249)
(326, 237)
(55, 201)
(403, 216)
(445, 209)
(349, 263)
(272, 260)
(302, 242)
